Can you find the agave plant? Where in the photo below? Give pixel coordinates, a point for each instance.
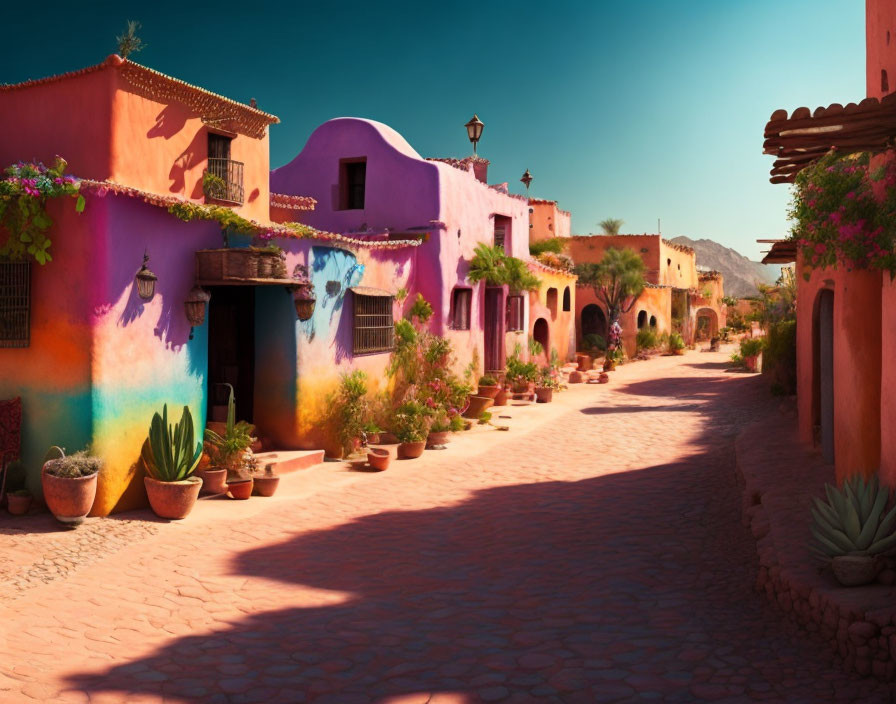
(170, 453)
(852, 520)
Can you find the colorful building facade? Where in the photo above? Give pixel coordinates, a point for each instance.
(675, 299)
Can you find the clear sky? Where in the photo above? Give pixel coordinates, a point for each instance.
(635, 109)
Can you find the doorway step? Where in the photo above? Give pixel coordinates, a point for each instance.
(286, 461)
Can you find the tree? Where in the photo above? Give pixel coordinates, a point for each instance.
(129, 42)
(611, 226)
(617, 280)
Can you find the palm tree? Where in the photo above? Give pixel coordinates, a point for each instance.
(617, 280)
(611, 226)
(129, 42)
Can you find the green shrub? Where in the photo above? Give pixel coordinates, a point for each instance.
(488, 381)
(554, 245)
(594, 342)
(676, 342)
(421, 309)
(410, 422)
(751, 346)
(647, 339)
(779, 357)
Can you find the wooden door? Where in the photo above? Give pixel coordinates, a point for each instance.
(493, 329)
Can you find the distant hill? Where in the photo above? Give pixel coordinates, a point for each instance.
(741, 274)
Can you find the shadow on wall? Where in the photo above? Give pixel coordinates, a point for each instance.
(449, 599)
(333, 273)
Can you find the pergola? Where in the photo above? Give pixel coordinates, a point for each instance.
(798, 140)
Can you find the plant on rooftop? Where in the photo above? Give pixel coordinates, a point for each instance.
(611, 226)
(128, 42)
(552, 244)
(842, 211)
(24, 192)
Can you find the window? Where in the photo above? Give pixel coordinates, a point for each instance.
(514, 313)
(567, 303)
(373, 325)
(352, 182)
(461, 300)
(653, 321)
(15, 304)
(642, 319)
(502, 230)
(551, 300)
(223, 179)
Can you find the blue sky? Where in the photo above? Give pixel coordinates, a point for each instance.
(637, 109)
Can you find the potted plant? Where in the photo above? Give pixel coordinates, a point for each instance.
(441, 427)
(349, 409)
(520, 374)
(372, 433)
(264, 481)
(378, 458)
(750, 353)
(170, 455)
(546, 383)
(69, 484)
(18, 502)
(410, 426)
(230, 449)
(488, 386)
(676, 344)
(851, 529)
(501, 397)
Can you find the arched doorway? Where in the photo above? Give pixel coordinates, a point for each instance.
(823, 364)
(642, 319)
(541, 333)
(594, 322)
(707, 324)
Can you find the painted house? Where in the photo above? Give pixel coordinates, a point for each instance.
(846, 340)
(368, 180)
(675, 299)
(92, 360)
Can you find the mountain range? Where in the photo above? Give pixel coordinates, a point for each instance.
(740, 274)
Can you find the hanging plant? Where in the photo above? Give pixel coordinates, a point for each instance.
(24, 192)
(842, 211)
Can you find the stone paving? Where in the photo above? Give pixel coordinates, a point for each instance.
(594, 553)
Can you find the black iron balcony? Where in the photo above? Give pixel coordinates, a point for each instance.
(223, 180)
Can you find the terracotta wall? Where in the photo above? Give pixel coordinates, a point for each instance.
(591, 248)
(654, 301)
(546, 220)
(547, 304)
(880, 42)
(77, 112)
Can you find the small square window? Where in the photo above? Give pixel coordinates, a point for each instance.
(15, 304)
(461, 301)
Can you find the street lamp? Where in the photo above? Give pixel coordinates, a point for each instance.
(527, 179)
(474, 130)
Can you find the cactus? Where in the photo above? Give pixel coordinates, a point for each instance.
(852, 520)
(168, 452)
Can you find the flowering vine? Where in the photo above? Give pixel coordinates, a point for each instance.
(24, 192)
(843, 211)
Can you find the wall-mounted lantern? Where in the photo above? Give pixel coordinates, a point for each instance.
(194, 305)
(146, 280)
(304, 300)
(474, 130)
(527, 179)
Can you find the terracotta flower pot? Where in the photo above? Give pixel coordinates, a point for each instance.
(488, 391)
(378, 459)
(240, 489)
(477, 405)
(265, 484)
(751, 363)
(18, 504)
(543, 394)
(411, 450)
(584, 361)
(603, 378)
(373, 438)
(522, 387)
(501, 397)
(69, 499)
(441, 437)
(172, 500)
(855, 570)
(214, 480)
(576, 377)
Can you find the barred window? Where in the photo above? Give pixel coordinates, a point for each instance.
(15, 304)
(461, 299)
(514, 313)
(373, 324)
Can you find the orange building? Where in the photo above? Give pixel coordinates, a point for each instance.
(676, 298)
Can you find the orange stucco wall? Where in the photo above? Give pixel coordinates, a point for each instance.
(591, 248)
(678, 267)
(561, 323)
(163, 148)
(546, 220)
(654, 301)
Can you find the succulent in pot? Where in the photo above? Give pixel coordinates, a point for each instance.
(18, 502)
(851, 529)
(231, 451)
(69, 484)
(488, 386)
(171, 454)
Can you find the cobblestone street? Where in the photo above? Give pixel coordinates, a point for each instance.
(593, 553)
